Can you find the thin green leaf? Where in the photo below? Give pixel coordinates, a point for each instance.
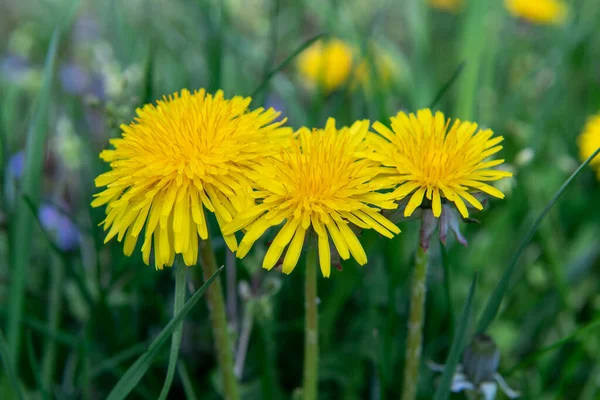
(133, 375)
(285, 63)
(8, 367)
(119, 358)
(458, 342)
(595, 324)
(493, 303)
(33, 365)
(188, 388)
(23, 223)
(448, 289)
(180, 271)
(59, 336)
(448, 84)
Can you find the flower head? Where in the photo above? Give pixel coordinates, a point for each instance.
(447, 5)
(321, 183)
(379, 70)
(589, 141)
(187, 153)
(433, 159)
(538, 11)
(327, 64)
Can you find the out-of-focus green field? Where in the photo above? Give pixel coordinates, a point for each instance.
(89, 311)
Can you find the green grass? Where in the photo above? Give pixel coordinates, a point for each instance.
(79, 322)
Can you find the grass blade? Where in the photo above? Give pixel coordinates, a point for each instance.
(8, 367)
(285, 63)
(188, 388)
(447, 85)
(135, 373)
(458, 342)
(34, 150)
(176, 338)
(113, 362)
(33, 365)
(493, 304)
(595, 324)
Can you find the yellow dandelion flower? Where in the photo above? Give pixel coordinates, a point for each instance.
(187, 153)
(323, 184)
(447, 5)
(379, 71)
(589, 141)
(538, 11)
(327, 64)
(435, 160)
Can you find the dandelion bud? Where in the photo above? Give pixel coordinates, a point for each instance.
(481, 359)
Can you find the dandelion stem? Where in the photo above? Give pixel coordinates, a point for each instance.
(232, 308)
(415, 324)
(311, 328)
(218, 319)
(178, 303)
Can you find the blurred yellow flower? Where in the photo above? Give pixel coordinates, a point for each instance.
(432, 159)
(327, 64)
(589, 141)
(187, 153)
(380, 70)
(447, 5)
(322, 183)
(538, 11)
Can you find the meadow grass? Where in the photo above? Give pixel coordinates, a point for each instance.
(78, 319)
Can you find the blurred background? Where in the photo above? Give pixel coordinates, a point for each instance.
(89, 311)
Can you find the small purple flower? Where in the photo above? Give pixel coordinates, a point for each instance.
(74, 79)
(14, 68)
(61, 228)
(16, 164)
(275, 103)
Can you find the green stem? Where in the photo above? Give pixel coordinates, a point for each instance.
(311, 328)
(218, 319)
(179, 300)
(415, 325)
(57, 274)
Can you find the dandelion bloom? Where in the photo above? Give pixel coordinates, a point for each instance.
(187, 153)
(589, 141)
(433, 159)
(380, 70)
(327, 64)
(538, 11)
(447, 5)
(321, 183)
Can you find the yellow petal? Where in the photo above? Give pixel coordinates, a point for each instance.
(293, 252)
(354, 245)
(414, 202)
(324, 256)
(338, 240)
(282, 239)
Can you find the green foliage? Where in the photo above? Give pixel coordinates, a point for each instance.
(82, 321)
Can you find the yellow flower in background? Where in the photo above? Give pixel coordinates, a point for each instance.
(538, 11)
(380, 70)
(589, 141)
(447, 5)
(322, 183)
(432, 158)
(326, 63)
(187, 153)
